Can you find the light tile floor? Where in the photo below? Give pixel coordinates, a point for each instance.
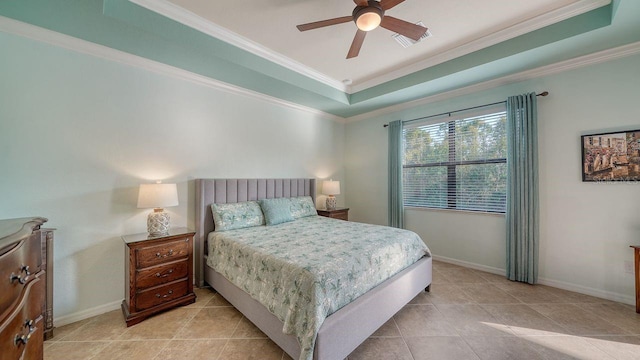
(469, 314)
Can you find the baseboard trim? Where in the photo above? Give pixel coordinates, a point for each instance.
(85, 314)
(470, 265)
(608, 295)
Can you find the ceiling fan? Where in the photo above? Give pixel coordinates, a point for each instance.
(368, 15)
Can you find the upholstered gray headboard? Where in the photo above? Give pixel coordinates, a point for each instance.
(209, 191)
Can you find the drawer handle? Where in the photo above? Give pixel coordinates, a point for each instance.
(170, 253)
(24, 339)
(165, 296)
(158, 275)
(29, 325)
(21, 280)
(25, 270)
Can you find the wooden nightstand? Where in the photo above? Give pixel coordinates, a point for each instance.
(158, 273)
(338, 213)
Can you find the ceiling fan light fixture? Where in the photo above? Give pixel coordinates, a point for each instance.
(369, 17)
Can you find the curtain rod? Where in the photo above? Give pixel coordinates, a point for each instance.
(544, 93)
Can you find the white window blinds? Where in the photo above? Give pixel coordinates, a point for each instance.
(457, 163)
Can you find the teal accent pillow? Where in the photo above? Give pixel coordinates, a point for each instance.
(302, 206)
(237, 215)
(276, 211)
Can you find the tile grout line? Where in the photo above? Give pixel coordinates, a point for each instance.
(187, 323)
(463, 338)
(402, 337)
(615, 314)
(165, 344)
(230, 338)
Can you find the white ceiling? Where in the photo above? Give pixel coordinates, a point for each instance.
(458, 27)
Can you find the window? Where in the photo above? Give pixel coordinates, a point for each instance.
(458, 164)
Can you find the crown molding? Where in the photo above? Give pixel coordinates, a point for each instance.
(511, 32)
(562, 66)
(179, 14)
(185, 17)
(82, 46)
(50, 37)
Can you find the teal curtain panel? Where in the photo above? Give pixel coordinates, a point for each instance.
(396, 206)
(522, 189)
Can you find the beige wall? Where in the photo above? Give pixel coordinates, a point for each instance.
(78, 134)
(586, 228)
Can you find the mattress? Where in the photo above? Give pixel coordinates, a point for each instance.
(303, 271)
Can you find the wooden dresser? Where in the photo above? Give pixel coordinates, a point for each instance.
(23, 288)
(159, 273)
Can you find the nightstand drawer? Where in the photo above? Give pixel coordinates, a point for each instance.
(343, 215)
(162, 294)
(339, 213)
(158, 273)
(159, 254)
(162, 274)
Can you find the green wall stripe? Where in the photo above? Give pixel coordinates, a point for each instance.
(576, 25)
(125, 26)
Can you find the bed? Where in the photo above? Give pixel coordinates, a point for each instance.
(342, 331)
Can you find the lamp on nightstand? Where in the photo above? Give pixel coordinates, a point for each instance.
(157, 196)
(331, 188)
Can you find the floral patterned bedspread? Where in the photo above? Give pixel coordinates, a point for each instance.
(304, 270)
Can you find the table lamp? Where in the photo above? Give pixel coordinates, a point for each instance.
(331, 188)
(157, 196)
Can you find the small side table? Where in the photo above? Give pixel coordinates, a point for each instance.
(338, 213)
(158, 274)
(636, 250)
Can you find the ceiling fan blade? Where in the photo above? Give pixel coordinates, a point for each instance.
(323, 23)
(356, 44)
(388, 4)
(402, 27)
(362, 2)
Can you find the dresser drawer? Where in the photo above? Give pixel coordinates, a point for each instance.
(161, 294)
(161, 274)
(162, 253)
(17, 267)
(21, 335)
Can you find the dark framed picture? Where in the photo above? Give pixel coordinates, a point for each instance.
(611, 156)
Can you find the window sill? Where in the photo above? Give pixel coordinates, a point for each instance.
(466, 212)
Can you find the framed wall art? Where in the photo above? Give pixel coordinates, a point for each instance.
(611, 156)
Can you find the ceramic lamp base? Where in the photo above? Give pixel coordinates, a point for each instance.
(158, 223)
(331, 202)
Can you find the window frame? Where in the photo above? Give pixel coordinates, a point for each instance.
(451, 164)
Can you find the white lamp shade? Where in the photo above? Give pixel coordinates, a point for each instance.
(157, 196)
(330, 187)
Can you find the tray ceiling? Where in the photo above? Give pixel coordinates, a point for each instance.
(453, 24)
(254, 46)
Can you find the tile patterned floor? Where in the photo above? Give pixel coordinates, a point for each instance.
(469, 314)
